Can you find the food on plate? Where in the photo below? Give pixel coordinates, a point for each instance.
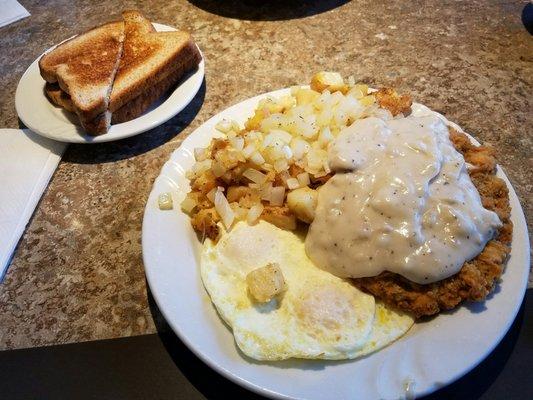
(164, 201)
(302, 202)
(265, 283)
(113, 73)
(385, 195)
(283, 147)
(401, 200)
(310, 314)
(85, 67)
(477, 277)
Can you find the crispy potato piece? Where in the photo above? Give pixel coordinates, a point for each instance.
(294, 170)
(218, 144)
(249, 201)
(229, 159)
(306, 96)
(165, 201)
(302, 202)
(204, 183)
(200, 199)
(203, 202)
(282, 217)
(388, 98)
(244, 195)
(205, 221)
(331, 81)
(235, 193)
(255, 121)
(266, 282)
(360, 90)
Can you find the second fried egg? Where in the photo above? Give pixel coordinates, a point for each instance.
(318, 315)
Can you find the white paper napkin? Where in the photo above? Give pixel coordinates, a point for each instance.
(11, 11)
(27, 162)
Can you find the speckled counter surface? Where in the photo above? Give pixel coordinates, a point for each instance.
(78, 275)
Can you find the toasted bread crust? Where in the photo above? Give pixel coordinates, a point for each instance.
(186, 56)
(135, 65)
(97, 126)
(133, 108)
(57, 96)
(60, 54)
(138, 105)
(136, 23)
(85, 67)
(149, 57)
(137, 47)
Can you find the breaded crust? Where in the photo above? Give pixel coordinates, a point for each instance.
(477, 278)
(396, 103)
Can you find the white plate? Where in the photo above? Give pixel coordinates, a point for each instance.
(41, 116)
(432, 354)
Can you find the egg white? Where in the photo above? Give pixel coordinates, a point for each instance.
(318, 316)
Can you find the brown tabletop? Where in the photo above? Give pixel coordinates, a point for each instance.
(77, 274)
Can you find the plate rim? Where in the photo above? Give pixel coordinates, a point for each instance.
(20, 100)
(518, 222)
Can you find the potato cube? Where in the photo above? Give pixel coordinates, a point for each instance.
(165, 201)
(306, 96)
(302, 202)
(331, 81)
(255, 121)
(282, 217)
(266, 282)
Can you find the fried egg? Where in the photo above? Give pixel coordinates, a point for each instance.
(318, 315)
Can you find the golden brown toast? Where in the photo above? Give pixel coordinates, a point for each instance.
(85, 68)
(134, 108)
(128, 111)
(150, 64)
(150, 57)
(59, 97)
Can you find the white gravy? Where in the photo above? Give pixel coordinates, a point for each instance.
(401, 200)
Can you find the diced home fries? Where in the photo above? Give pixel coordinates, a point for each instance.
(257, 171)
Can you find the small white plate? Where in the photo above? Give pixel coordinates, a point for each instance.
(42, 117)
(431, 355)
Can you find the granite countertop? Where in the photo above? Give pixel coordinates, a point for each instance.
(77, 273)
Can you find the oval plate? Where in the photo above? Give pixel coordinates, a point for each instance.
(431, 355)
(42, 117)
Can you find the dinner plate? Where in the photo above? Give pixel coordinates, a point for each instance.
(432, 354)
(42, 117)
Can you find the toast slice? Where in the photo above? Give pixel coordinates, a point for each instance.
(136, 107)
(58, 96)
(85, 67)
(150, 57)
(150, 64)
(128, 111)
